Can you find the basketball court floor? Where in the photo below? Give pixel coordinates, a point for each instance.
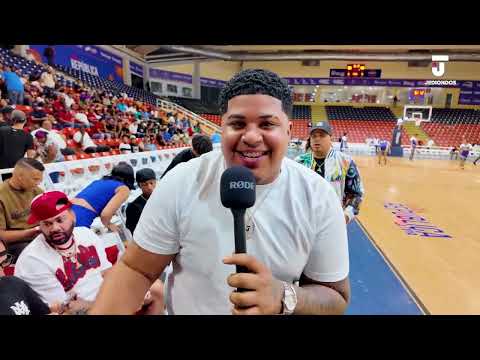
(415, 247)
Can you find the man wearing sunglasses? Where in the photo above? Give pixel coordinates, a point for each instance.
(16, 296)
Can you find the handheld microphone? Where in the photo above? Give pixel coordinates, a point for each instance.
(237, 192)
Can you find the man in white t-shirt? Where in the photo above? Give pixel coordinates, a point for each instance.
(66, 264)
(82, 138)
(63, 261)
(52, 134)
(430, 143)
(296, 231)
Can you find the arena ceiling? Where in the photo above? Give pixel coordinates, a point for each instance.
(181, 53)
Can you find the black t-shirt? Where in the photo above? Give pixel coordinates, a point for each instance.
(183, 156)
(134, 210)
(320, 166)
(18, 298)
(14, 144)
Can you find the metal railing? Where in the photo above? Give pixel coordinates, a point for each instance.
(206, 126)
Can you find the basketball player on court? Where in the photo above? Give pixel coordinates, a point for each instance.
(383, 149)
(464, 151)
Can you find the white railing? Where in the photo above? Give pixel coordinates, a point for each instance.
(209, 128)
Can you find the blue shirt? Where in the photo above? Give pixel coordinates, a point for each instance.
(166, 136)
(12, 81)
(122, 107)
(216, 138)
(99, 192)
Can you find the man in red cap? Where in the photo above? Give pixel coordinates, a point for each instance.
(64, 263)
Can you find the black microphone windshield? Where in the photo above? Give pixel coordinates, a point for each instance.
(237, 188)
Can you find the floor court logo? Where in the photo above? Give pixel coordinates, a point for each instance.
(413, 224)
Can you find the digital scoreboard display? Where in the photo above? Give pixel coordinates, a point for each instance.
(355, 70)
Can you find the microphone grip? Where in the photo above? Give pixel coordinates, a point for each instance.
(240, 239)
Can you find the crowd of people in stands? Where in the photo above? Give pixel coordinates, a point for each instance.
(60, 120)
(51, 261)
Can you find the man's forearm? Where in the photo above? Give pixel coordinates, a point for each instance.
(319, 300)
(122, 292)
(13, 236)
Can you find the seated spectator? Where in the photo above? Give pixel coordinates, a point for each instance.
(84, 140)
(55, 137)
(80, 116)
(46, 149)
(5, 114)
(16, 195)
(201, 144)
(167, 137)
(16, 296)
(147, 144)
(63, 259)
(147, 180)
(134, 143)
(125, 146)
(38, 114)
(15, 89)
(104, 197)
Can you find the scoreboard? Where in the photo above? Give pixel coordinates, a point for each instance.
(355, 70)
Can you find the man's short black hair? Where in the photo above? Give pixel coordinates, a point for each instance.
(202, 144)
(256, 81)
(30, 163)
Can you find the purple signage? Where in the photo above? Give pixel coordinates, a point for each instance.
(136, 69)
(185, 78)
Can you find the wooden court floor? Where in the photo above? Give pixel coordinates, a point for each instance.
(443, 273)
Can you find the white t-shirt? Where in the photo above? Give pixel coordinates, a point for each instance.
(47, 80)
(299, 227)
(87, 140)
(133, 127)
(54, 280)
(54, 136)
(430, 143)
(82, 118)
(125, 148)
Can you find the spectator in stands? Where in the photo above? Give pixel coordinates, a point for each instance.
(147, 181)
(289, 191)
(201, 144)
(147, 144)
(84, 140)
(16, 296)
(104, 197)
(38, 114)
(336, 167)
(58, 252)
(49, 54)
(46, 149)
(413, 147)
(55, 137)
(47, 81)
(14, 85)
(16, 194)
(125, 146)
(464, 151)
(430, 143)
(5, 114)
(14, 142)
(80, 116)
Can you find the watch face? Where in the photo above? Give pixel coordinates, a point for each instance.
(290, 302)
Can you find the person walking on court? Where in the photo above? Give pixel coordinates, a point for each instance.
(464, 151)
(413, 147)
(383, 149)
(336, 167)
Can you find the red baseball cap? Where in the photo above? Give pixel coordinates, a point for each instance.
(45, 206)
